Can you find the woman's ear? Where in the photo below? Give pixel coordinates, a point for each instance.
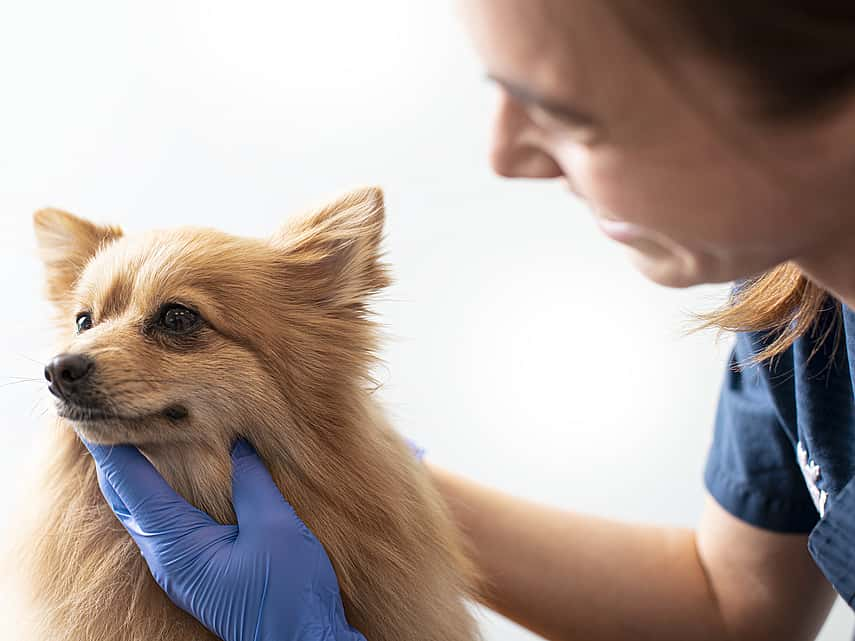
(332, 256)
(66, 244)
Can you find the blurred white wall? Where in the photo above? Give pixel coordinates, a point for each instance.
(524, 350)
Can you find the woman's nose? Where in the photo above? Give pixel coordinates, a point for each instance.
(515, 153)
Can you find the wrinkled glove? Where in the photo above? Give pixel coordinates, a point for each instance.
(265, 579)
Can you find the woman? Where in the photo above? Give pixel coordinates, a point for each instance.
(717, 142)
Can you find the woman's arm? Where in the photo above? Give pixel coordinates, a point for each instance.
(569, 576)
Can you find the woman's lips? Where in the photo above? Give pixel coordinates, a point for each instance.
(620, 230)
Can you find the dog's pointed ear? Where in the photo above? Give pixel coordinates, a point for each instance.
(66, 243)
(333, 255)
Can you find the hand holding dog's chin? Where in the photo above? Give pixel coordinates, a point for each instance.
(267, 578)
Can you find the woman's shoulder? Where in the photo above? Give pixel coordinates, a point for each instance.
(812, 389)
(783, 455)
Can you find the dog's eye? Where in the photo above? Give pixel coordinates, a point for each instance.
(84, 322)
(179, 319)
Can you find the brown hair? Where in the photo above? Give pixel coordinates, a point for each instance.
(793, 61)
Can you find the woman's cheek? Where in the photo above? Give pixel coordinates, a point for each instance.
(635, 191)
(603, 183)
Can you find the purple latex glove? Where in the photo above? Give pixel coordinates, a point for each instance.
(267, 578)
(417, 450)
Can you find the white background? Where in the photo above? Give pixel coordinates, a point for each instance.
(524, 350)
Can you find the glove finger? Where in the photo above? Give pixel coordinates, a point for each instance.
(120, 509)
(148, 499)
(257, 500)
(113, 499)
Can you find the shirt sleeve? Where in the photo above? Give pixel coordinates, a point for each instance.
(751, 469)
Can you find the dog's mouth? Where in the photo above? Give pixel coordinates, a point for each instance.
(94, 414)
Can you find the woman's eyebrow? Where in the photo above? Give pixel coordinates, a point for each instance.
(527, 96)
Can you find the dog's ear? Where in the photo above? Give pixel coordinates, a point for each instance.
(66, 243)
(333, 255)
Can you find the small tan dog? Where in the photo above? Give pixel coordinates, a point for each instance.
(276, 345)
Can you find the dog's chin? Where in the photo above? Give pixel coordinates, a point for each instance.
(105, 427)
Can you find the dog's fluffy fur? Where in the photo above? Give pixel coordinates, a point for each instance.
(283, 359)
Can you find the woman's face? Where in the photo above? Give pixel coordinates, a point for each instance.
(668, 167)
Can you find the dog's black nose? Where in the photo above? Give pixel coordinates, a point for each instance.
(67, 371)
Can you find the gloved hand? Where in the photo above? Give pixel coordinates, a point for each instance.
(265, 579)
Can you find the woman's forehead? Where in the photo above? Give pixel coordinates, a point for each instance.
(518, 40)
(572, 50)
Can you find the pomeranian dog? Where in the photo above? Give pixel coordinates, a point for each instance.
(192, 338)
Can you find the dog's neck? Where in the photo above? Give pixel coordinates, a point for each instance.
(200, 472)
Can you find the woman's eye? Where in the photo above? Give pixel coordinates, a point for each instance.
(179, 319)
(583, 132)
(84, 322)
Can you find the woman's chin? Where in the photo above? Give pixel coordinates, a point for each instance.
(665, 267)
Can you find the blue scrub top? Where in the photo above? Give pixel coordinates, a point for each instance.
(783, 454)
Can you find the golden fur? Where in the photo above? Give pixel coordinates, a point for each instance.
(284, 361)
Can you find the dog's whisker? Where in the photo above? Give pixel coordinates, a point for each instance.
(40, 363)
(39, 400)
(33, 380)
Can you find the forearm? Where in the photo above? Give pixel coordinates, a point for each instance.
(567, 576)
